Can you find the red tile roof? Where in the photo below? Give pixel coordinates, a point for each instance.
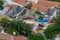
(19, 38)
(43, 5)
(3, 16)
(22, 2)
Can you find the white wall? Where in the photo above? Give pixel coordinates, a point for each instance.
(36, 1)
(54, 14)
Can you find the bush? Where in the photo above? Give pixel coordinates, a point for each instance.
(4, 20)
(40, 17)
(10, 30)
(37, 12)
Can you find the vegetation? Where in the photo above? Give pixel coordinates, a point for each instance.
(1, 3)
(52, 31)
(23, 28)
(57, 24)
(37, 12)
(3, 21)
(11, 30)
(41, 17)
(36, 37)
(58, 20)
(18, 26)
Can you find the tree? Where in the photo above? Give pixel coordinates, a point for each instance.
(1, 3)
(10, 30)
(20, 26)
(3, 21)
(57, 24)
(58, 20)
(50, 32)
(36, 37)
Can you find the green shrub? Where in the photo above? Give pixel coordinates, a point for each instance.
(11, 30)
(37, 12)
(4, 20)
(50, 32)
(36, 37)
(40, 17)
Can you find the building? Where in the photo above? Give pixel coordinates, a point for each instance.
(43, 5)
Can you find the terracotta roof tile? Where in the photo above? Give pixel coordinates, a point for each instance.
(3, 16)
(19, 38)
(22, 2)
(43, 5)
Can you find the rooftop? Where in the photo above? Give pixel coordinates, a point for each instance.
(19, 38)
(43, 5)
(3, 16)
(22, 2)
